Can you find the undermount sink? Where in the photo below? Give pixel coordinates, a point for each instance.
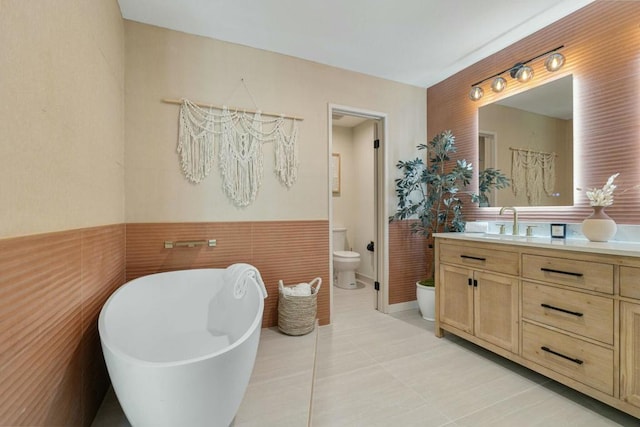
(496, 236)
(507, 237)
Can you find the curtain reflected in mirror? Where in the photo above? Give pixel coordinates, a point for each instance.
(528, 138)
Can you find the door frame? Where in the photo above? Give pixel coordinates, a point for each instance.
(490, 157)
(382, 210)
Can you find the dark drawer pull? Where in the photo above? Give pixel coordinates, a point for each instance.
(473, 257)
(470, 281)
(548, 350)
(575, 313)
(569, 273)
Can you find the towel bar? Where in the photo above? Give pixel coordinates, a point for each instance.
(168, 244)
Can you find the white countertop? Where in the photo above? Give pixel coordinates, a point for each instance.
(578, 245)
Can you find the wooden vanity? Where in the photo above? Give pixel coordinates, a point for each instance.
(568, 309)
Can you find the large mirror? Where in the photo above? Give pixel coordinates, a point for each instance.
(529, 138)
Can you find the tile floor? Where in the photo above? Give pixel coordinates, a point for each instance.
(372, 369)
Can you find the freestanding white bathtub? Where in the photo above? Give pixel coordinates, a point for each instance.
(180, 346)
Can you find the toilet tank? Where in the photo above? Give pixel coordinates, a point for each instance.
(339, 239)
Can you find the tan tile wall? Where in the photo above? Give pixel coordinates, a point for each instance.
(294, 251)
(601, 45)
(409, 261)
(52, 287)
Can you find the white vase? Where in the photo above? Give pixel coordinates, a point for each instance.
(599, 227)
(426, 301)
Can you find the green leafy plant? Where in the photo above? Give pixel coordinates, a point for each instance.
(430, 192)
(489, 179)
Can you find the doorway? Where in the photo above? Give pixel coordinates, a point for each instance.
(487, 158)
(357, 194)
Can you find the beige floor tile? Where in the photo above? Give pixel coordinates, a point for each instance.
(339, 357)
(274, 343)
(445, 365)
(373, 369)
(423, 416)
(277, 402)
(361, 397)
(281, 355)
(402, 347)
(462, 401)
(541, 407)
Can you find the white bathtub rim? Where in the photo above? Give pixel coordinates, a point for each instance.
(106, 341)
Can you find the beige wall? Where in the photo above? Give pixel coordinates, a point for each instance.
(61, 115)
(342, 214)
(167, 64)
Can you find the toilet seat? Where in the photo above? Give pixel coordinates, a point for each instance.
(346, 254)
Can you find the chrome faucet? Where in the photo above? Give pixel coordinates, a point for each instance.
(516, 229)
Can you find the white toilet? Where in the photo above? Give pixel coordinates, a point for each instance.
(345, 262)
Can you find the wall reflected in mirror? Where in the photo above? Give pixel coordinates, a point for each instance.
(529, 138)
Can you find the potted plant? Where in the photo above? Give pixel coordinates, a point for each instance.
(489, 179)
(430, 192)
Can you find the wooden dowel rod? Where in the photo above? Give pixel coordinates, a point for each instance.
(531, 151)
(204, 105)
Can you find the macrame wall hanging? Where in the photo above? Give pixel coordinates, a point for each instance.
(238, 138)
(532, 172)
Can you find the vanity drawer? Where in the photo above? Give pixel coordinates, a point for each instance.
(630, 282)
(487, 259)
(587, 363)
(577, 312)
(571, 272)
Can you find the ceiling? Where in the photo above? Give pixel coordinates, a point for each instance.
(417, 42)
(553, 99)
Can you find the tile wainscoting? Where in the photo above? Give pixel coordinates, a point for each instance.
(294, 251)
(409, 260)
(52, 288)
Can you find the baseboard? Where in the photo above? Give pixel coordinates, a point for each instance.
(364, 279)
(403, 306)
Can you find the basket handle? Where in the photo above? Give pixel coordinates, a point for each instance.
(318, 284)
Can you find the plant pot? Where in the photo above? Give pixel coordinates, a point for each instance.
(426, 301)
(599, 227)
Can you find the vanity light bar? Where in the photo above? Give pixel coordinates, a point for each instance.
(520, 71)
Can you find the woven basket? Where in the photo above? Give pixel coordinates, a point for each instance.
(297, 314)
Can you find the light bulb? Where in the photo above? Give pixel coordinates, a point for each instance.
(476, 93)
(524, 74)
(554, 62)
(498, 84)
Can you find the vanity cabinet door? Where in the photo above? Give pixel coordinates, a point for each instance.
(456, 297)
(630, 353)
(496, 310)
(630, 282)
(480, 303)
